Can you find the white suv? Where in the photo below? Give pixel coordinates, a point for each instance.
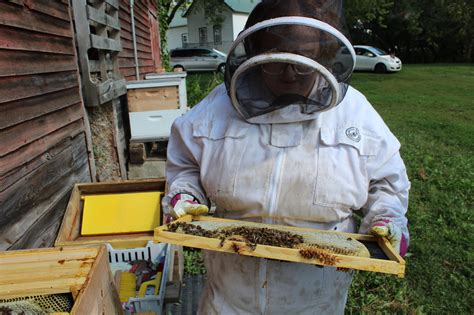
(198, 59)
(375, 59)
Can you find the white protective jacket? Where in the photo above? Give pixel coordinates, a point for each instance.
(311, 172)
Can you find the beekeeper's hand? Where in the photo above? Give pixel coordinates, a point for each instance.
(393, 233)
(183, 204)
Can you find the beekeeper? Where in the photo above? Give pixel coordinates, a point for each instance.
(287, 141)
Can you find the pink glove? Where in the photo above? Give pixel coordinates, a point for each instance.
(183, 204)
(393, 233)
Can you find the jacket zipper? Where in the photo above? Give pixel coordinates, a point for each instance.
(274, 183)
(272, 203)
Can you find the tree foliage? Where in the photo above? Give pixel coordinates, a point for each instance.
(419, 31)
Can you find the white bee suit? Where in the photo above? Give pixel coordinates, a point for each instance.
(300, 170)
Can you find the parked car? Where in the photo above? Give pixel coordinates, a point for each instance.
(198, 59)
(371, 58)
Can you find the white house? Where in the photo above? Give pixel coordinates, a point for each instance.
(192, 29)
(177, 34)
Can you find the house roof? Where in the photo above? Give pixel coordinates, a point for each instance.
(179, 19)
(242, 6)
(237, 6)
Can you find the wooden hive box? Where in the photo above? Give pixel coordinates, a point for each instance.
(383, 257)
(154, 103)
(82, 272)
(70, 231)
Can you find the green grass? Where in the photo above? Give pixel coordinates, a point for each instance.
(430, 108)
(198, 85)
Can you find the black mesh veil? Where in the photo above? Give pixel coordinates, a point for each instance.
(284, 58)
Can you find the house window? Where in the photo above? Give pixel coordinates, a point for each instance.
(184, 39)
(202, 35)
(217, 35)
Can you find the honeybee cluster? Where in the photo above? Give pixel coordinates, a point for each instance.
(250, 235)
(322, 255)
(324, 251)
(190, 229)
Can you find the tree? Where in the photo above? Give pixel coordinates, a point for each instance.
(419, 31)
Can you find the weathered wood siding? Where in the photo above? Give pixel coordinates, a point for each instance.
(147, 38)
(43, 146)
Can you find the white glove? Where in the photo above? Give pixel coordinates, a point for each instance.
(393, 233)
(183, 204)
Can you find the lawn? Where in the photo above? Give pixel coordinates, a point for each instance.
(430, 108)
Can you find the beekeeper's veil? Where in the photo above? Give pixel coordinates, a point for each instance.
(291, 58)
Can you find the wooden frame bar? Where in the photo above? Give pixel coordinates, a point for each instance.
(82, 271)
(69, 232)
(395, 264)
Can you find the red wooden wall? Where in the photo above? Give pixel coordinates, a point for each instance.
(147, 37)
(43, 146)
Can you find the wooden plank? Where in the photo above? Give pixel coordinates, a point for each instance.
(390, 251)
(279, 253)
(56, 9)
(119, 134)
(103, 43)
(125, 17)
(128, 54)
(126, 36)
(113, 3)
(140, 47)
(130, 75)
(22, 134)
(129, 63)
(17, 62)
(26, 276)
(43, 232)
(23, 18)
(16, 88)
(125, 186)
(30, 232)
(19, 39)
(145, 35)
(124, 7)
(96, 15)
(15, 112)
(47, 254)
(17, 2)
(99, 291)
(40, 288)
(141, 22)
(150, 99)
(109, 90)
(38, 147)
(141, 15)
(102, 18)
(21, 171)
(155, 40)
(31, 197)
(113, 23)
(71, 224)
(66, 264)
